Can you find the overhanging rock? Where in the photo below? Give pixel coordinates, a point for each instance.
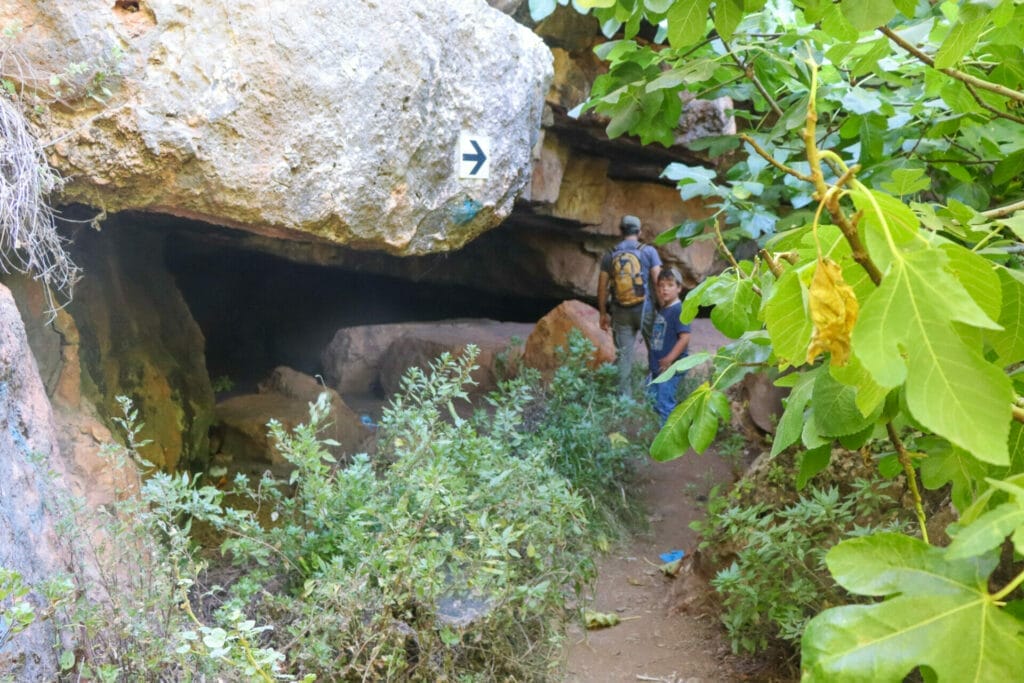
(333, 121)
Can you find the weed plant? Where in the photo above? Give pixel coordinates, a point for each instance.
(452, 555)
(595, 433)
(775, 578)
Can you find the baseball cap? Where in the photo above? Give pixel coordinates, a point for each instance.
(630, 225)
(671, 272)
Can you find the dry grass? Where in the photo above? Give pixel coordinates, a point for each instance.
(29, 241)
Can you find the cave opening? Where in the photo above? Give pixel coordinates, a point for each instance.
(259, 310)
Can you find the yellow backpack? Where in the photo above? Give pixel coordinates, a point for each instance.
(629, 286)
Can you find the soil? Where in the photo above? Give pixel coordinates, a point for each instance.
(669, 631)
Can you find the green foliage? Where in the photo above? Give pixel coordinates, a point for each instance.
(451, 553)
(16, 613)
(777, 578)
(595, 435)
(127, 610)
(881, 140)
(939, 614)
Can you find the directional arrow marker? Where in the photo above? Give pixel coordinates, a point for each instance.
(474, 155)
(478, 156)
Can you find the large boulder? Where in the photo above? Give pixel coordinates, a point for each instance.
(28, 446)
(372, 358)
(421, 345)
(332, 121)
(552, 334)
(241, 436)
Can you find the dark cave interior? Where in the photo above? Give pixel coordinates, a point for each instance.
(258, 311)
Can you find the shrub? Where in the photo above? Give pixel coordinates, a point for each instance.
(452, 554)
(597, 436)
(776, 580)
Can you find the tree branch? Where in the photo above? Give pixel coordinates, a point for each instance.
(763, 153)
(908, 468)
(749, 71)
(988, 107)
(821, 188)
(1001, 211)
(952, 73)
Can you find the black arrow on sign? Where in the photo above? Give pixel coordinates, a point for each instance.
(479, 157)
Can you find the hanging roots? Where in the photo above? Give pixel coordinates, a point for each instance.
(29, 242)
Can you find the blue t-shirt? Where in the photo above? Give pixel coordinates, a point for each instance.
(665, 334)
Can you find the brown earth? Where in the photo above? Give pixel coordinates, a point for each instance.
(668, 632)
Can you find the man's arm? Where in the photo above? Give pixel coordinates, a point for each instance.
(602, 301)
(673, 354)
(655, 266)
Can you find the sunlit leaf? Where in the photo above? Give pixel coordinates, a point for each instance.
(1009, 341)
(728, 14)
(907, 181)
(687, 22)
(787, 319)
(960, 40)
(987, 532)
(941, 616)
(835, 409)
(791, 423)
(865, 15)
(906, 333)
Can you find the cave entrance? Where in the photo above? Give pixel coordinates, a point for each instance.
(259, 310)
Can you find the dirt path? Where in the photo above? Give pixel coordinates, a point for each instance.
(664, 643)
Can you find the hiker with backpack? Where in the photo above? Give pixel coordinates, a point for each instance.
(628, 274)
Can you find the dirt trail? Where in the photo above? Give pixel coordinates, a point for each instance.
(663, 644)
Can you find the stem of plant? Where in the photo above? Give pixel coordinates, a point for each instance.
(908, 469)
(1009, 588)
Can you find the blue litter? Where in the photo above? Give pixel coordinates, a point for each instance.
(368, 421)
(672, 555)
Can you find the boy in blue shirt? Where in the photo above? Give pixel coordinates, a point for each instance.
(669, 339)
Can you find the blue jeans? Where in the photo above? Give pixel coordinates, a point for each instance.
(663, 396)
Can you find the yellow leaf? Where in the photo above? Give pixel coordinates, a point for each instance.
(618, 439)
(834, 310)
(599, 619)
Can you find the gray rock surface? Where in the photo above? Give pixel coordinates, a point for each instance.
(28, 444)
(325, 121)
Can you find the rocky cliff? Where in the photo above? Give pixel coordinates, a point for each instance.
(262, 174)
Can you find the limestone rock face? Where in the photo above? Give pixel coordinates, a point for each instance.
(337, 121)
(139, 339)
(28, 445)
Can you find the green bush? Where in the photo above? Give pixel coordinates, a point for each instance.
(452, 554)
(775, 579)
(597, 436)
